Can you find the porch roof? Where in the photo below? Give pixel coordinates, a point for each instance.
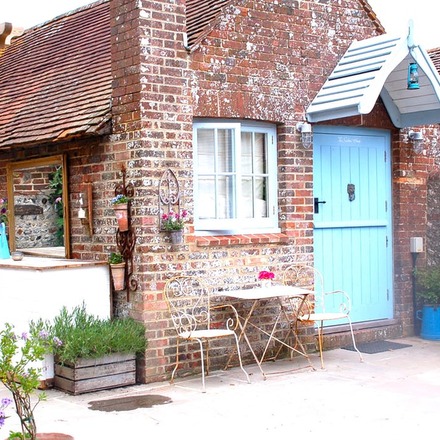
(376, 67)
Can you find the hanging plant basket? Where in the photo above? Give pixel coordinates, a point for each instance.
(176, 236)
(121, 213)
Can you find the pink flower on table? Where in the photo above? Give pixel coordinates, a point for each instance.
(265, 275)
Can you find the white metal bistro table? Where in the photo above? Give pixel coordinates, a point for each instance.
(278, 293)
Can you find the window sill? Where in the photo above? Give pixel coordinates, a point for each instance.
(233, 240)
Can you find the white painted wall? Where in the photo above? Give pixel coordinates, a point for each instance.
(39, 287)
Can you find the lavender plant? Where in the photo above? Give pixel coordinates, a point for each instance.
(18, 357)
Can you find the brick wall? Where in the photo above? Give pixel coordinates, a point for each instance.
(263, 61)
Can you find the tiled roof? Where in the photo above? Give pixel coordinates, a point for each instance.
(201, 16)
(435, 57)
(55, 80)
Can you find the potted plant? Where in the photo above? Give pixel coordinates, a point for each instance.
(120, 206)
(428, 296)
(95, 353)
(266, 278)
(117, 267)
(173, 223)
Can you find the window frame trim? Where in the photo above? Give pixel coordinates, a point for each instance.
(234, 226)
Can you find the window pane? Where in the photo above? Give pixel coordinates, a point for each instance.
(246, 153)
(206, 197)
(260, 153)
(226, 205)
(205, 147)
(248, 202)
(254, 197)
(225, 151)
(261, 208)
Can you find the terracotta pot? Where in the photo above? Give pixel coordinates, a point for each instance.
(54, 436)
(176, 236)
(121, 213)
(118, 275)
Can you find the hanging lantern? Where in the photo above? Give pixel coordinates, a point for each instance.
(413, 76)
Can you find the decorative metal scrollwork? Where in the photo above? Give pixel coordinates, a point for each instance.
(169, 194)
(126, 240)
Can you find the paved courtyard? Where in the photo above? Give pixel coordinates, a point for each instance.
(391, 395)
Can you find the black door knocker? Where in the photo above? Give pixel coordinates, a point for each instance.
(350, 191)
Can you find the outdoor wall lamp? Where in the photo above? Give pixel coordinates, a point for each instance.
(413, 76)
(416, 138)
(85, 206)
(306, 134)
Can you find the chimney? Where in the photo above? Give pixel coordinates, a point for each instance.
(7, 33)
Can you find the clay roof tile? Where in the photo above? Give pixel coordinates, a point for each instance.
(55, 79)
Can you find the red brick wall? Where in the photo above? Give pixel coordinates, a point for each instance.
(263, 61)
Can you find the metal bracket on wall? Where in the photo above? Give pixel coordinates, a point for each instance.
(169, 195)
(126, 240)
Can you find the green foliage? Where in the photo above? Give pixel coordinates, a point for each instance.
(87, 336)
(428, 285)
(56, 199)
(115, 258)
(4, 211)
(18, 436)
(120, 199)
(18, 354)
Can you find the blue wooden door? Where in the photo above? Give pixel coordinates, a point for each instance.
(352, 229)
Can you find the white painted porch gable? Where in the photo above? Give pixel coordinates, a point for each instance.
(377, 67)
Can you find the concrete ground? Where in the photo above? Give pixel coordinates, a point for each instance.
(391, 395)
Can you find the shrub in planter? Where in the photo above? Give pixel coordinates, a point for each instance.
(88, 342)
(428, 296)
(428, 285)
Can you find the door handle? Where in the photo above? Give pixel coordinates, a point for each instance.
(316, 204)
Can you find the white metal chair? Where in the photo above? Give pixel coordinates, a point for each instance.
(189, 302)
(308, 277)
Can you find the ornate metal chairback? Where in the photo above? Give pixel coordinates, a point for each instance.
(189, 303)
(311, 278)
(302, 275)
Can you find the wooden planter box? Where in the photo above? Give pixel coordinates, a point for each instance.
(88, 375)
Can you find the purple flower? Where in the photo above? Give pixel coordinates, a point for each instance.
(24, 336)
(57, 342)
(6, 401)
(43, 334)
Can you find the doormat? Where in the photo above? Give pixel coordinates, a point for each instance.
(377, 347)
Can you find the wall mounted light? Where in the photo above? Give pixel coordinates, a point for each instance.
(81, 210)
(85, 206)
(306, 134)
(416, 137)
(413, 76)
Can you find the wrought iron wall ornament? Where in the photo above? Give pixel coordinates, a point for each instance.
(169, 195)
(126, 240)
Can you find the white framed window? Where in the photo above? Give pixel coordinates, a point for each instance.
(235, 177)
